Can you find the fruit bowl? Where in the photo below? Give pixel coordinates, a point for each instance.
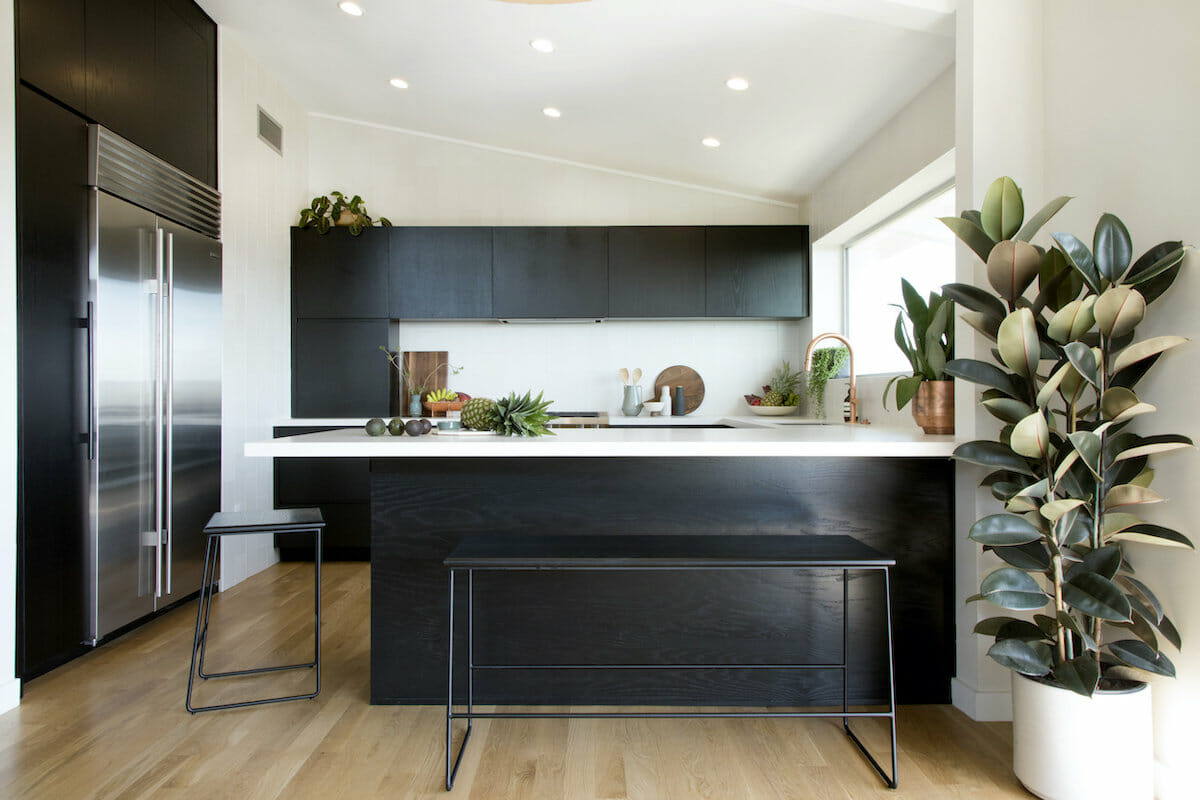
(440, 407)
(772, 411)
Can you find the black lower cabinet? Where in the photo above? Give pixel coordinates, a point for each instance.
(340, 487)
(52, 458)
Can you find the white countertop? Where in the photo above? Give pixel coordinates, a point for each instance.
(750, 436)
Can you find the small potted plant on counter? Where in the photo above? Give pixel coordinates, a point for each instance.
(826, 364)
(1071, 475)
(325, 213)
(927, 343)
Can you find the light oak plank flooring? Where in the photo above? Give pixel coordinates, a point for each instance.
(112, 725)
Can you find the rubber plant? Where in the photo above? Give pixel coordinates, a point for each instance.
(827, 362)
(325, 213)
(928, 347)
(1070, 471)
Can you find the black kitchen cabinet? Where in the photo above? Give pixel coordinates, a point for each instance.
(757, 271)
(50, 48)
(336, 275)
(52, 456)
(440, 273)
(544, 272)
(121, 75)
(145, 69)
(337, 369)
(340, 487)
(656, 272)
(184, 105)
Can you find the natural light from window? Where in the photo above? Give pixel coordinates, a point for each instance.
(912, 245)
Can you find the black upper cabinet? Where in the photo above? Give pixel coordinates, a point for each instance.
(52, 292)
(757, 271)
(50, 48)
(185, 88)
(440, 273)
(337, 369)
(656, 272)
(550, 272)
(145, 69)
(121, 75)
(339, 275)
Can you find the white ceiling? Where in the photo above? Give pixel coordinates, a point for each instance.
(639, 82)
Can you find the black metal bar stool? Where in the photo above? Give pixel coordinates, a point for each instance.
(283, 522)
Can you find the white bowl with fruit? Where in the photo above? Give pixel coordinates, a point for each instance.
(780, 397)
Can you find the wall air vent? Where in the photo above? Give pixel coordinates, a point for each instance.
(270, 131)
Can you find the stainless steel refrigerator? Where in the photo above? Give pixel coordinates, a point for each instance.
(154, 381)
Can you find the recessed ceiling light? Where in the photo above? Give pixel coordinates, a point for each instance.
(399, 83)
(542, 45)
(710, 141)
(738, 84)
(353, 9)
(551, 111)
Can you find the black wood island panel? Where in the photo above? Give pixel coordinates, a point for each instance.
(420, 509)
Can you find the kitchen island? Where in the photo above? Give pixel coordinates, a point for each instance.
(891, 489)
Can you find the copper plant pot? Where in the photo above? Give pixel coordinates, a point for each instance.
(933, 406)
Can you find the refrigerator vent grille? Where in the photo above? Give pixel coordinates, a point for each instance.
(270, 131)
(129, 172)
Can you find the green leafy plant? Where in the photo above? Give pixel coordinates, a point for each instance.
(826, 364)
(927, 341)
(1066, 465)
(324, 213)
(521, 416)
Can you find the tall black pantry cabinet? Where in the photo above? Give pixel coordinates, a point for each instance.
(145, 69)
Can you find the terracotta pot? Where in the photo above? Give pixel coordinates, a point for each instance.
(933, 406)
(1060, 742)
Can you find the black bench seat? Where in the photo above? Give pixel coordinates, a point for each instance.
(637, 552)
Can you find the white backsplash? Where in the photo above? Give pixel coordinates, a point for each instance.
(576, 364)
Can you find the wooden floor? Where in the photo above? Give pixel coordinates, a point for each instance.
(112, 724)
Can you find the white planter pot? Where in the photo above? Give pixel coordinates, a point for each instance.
(1066, 746)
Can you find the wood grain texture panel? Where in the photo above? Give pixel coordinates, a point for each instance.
(421, 508)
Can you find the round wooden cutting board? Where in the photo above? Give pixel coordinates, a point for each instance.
(688, 378)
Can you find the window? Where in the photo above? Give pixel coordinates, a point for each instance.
(911, 244)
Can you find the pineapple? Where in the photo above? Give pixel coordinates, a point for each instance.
(478, 414)
(521, 416)
(783, 386)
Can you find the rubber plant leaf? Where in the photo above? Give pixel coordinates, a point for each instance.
(1147, 533)
(992, 454)
(1031, 436)
(1011, 267)
(1087, 444)
(1144, 349)
(1081, 674)
(975, 299)
(1003, 209)
(1141, 656)
(1154, 445)
(1155, 262)
(971, 235)
(984, 374)
(1020, 348)
(1112, 247)
(1013, 589)
(992, 625)
(1032, 556)
(1035, 223)
(1073, 320)
(1002, 530)
(1097, 596)
(1058, 282)
(1027, 658)
(1007, 409)
(1083, 358)
(1079, 257)
(1119, 310)
(1021, 629)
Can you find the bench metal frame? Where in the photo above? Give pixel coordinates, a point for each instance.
(454, 762)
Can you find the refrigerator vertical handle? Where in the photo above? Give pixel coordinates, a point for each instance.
(169, 290)
(89, 323)
(158, 410)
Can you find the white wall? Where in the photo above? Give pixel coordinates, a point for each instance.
(422, 180)
(1121, 133)
(916, 136)
(10, 691)
(261, 192)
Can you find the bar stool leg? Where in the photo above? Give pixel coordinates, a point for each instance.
(891, 781)
(201, 633)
